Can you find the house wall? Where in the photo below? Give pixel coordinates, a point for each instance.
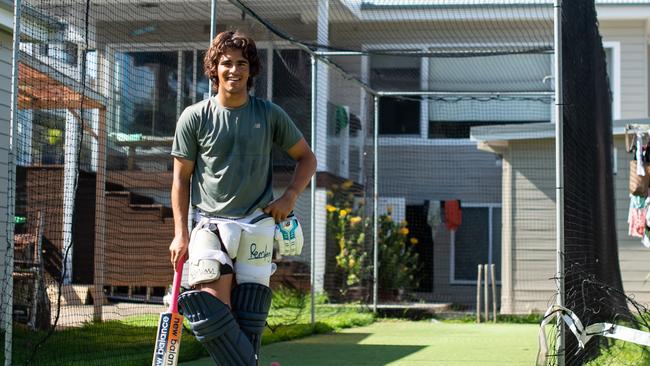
(438, 173)
(531, 232)
(528, 237)
(634, 64)
(6, 43)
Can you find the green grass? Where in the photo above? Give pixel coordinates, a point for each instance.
(398, 342)
(130, 342)
(622, 354)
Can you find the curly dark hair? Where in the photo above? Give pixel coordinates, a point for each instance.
(231, 40)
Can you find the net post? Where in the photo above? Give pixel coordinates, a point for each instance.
(494, 293)
(375, 221)
(486, 300)
(312, 209)
(559, 176)
(213, 33)
(478, 293)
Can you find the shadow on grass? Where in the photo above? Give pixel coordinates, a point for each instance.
(339, 349)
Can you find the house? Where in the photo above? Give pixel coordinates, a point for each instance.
(145, 59)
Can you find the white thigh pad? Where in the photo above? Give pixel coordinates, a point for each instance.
(205, 256)
(255, 253)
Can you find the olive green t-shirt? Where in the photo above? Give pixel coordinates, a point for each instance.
(231, 148)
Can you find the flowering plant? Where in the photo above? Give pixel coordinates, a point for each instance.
(398, 260)
(350, 228)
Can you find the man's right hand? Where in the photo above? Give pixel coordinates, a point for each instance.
(178, 248)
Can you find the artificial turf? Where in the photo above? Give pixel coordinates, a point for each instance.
(394, 342)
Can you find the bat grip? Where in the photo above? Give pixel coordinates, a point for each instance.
(176, 285)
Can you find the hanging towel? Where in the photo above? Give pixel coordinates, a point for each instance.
(433, 214)
(453, 217)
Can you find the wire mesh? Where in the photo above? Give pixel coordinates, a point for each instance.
(464, 161)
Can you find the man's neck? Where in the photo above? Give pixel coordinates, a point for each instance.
(229, 100)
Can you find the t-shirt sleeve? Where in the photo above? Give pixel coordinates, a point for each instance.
(185, 144)
(285, 132)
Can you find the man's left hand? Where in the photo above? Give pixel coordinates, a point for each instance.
(282, 207)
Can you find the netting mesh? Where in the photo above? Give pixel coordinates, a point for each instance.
(461, 93)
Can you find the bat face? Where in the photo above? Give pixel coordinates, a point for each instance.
(168, 340)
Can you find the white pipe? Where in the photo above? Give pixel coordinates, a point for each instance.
(8, 292)
(312, 228)
(375, 229)
(467, 94)
(559, 177)
(213, 33)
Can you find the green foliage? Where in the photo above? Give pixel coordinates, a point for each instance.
(398, 262)
(348, 229)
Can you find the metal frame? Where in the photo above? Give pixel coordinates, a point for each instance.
(559, 178)
(7, 297)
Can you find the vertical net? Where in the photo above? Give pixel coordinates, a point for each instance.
(465, 172)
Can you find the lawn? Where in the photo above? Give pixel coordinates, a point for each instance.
(130, 341)
(395, 342)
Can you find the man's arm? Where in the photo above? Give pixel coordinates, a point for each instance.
(305, 169)
(180, 204)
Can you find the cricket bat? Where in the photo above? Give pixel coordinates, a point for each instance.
(170, 326)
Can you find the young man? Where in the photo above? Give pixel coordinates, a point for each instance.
(223, 147)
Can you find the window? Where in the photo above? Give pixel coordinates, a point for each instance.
(613, 59)
(477, 241)
(454, 116)
(397, 116)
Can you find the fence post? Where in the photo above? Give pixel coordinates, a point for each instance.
(494, 293)
(478, 293)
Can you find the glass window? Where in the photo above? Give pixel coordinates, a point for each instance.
(147, 92)
(397, 116)
(473, 245)
(452, 117)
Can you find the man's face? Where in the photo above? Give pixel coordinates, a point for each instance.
(233, 72)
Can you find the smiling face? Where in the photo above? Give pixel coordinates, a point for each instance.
(233, 71)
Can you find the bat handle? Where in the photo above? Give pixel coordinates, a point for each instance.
(176, 286)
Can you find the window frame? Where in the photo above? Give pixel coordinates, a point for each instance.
(491, 244)
(112, 49)
(615, 80)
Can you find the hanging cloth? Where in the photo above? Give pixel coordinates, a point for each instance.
(453, 216)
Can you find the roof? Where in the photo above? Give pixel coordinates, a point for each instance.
(395, 4)
(535, 131)
(42, 87)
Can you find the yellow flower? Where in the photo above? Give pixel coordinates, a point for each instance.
(347, 184)
(414, 241)
(330, 194)
(355, 220)
(389, 209)
(388, 218)
(330, 208)
(351, 262)
(404, 231)
(343, 213)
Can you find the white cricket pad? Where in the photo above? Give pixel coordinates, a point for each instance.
(205, 256)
